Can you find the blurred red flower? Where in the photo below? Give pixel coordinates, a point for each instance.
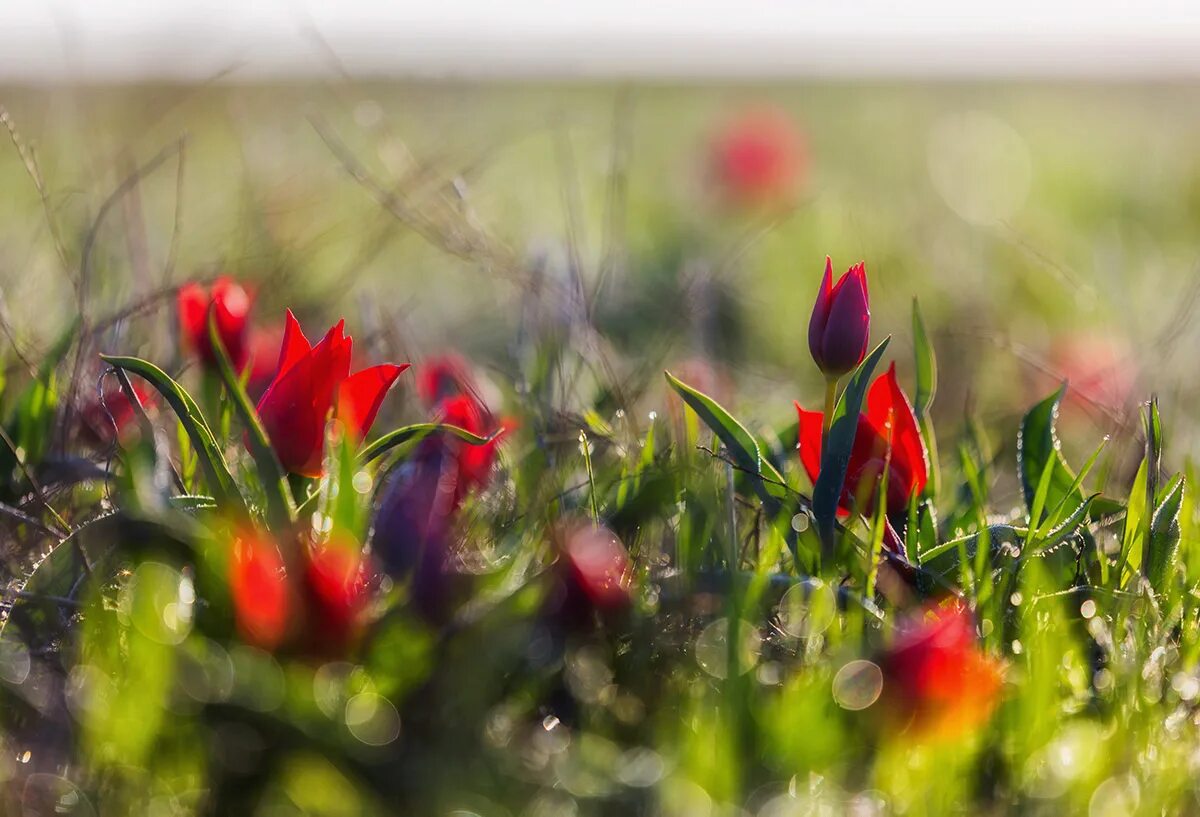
(1100, 371)
(938, 683)
(414, 520)
(597, 567)
(258, 585)
(112, 415)
(446, 375)
(840, 327)
(320, 614)
(311, 382)
(887, 438)
(231, 303)
(758, 160)
(335, 594)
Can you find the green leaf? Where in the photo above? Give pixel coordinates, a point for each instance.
(417, 431)
(737, 439)
(1164, 536)
(926, 365)
(212, 461)
(281, 507)
(835, 455)
(1133, 537)
(1038, 449)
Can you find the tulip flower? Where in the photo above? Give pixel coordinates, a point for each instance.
(597, 568)
(937, 681)
(442, 377)
(230, 302)
(317, 610)
(840, 326)
(334, 594)
(313, 382)
(757, 161)
(258, 585)
(415, 516)
(113, 416)
(887, 438)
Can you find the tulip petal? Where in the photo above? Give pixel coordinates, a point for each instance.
(820, 313)
(296, 405)
(361, 395)
(295, 345)
(809, 441)
(848, 327)
(891, 415)
(192, 303)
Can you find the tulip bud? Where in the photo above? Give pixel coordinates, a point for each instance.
(840, 326)
(230, 303)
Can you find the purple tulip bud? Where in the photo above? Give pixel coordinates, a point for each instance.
(841, 321)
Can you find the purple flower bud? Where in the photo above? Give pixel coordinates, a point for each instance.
(840, 327)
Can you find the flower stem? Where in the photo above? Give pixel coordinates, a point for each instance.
(830, 403)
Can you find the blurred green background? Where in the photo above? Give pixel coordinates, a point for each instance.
(1047, 229)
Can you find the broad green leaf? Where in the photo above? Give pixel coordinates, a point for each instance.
(417, 431)
(926, 365)
(281, 507)
(212, 461)
(1163, 545)
(835, 454)
(741, 444)
(1037, 449)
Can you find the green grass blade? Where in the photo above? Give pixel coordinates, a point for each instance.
(212, 461)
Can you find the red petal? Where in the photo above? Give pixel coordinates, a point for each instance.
(809, 441)
(891, 415)
(192, 303)
(820, 313)
(361, 394)
(295, 345)
(295, 407)
(259, 590)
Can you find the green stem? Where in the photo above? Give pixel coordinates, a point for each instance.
(830, 404)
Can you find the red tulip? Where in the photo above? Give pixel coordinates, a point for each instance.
(113, 417)
(335, 594)
(320, 613)
(840, 326)
(258, 584)
(887, 437)
(937, 682)
(597, 567)
(231, 303)
(444, 376)
(310, 383)
(757, 161)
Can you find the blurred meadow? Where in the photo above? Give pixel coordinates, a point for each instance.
(1030, 218)
(635, 607)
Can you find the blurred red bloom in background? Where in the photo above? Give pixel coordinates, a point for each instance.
(446, 375)
(312, 381)
(938, 683)
(230, 302)
(887, 438)
(1100, 371)
(416, 512)
(840, 327)
(597, 567)
(758, 160)
(112, 415)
